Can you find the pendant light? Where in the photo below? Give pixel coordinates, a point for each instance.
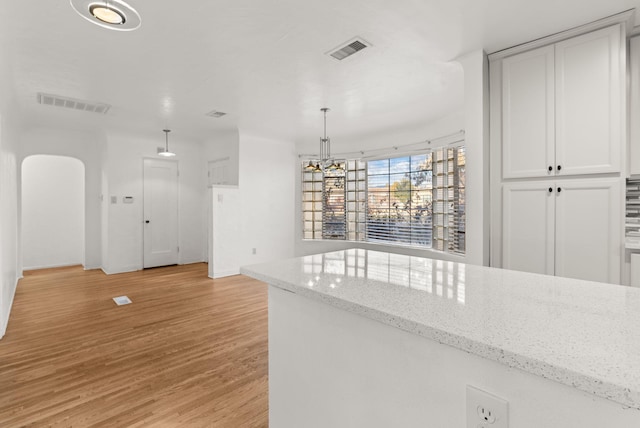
(166, 151)
(325, 162)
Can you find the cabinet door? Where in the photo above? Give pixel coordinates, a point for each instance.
(634, 106)
(589, 103)
(528, 116)
(528, 227)
(589, 229)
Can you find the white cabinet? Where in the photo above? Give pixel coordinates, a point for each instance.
(634, 107)
(529, 227)
(569, 228)
(562, 107)
(528, 113)
(558, 139)
(589, 229)
(589, 103)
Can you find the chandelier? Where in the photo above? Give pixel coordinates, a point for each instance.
(324, 163)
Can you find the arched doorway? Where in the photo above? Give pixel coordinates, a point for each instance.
(53, 211)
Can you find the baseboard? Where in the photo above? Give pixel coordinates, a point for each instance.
(122, 269)
(5, 321)
(50, 266)
(192, 262)
(224, 273)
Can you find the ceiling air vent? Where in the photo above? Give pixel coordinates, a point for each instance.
(215, 113)
(72, 104)
(348, 49)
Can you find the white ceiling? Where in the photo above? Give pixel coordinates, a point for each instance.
(263, 61)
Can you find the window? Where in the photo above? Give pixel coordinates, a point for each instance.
(323, 204)
(399, 200)
(334, 211)
(449, 200)
(414, 200)
(356, 174)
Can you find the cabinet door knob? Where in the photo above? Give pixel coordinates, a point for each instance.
(146, 221)
(550, 168)
(550, 189)
(559, 167)
(559, 189)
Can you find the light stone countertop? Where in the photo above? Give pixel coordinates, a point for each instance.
(582, 334)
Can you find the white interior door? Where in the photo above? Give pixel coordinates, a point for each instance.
(160, 213)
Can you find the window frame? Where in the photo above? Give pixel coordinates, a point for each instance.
(356, 228)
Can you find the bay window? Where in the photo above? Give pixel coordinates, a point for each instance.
(416, 200)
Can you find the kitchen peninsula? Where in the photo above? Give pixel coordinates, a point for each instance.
(367, 338)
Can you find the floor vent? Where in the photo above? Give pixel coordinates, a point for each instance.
(72, 104)
(122, 300)
(348, 49)
(215, 113)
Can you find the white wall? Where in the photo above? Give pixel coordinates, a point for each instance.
(267, 195)
(52, 211)
(476, 122)
(9, 247)
(104, 209)
(9, 244)
(124, 175)
(223, 145)
(217, 147)
(225, 229)
(88, 148)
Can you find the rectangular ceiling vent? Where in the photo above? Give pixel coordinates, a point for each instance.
(348, 49)
(215, 113)
(72, 104)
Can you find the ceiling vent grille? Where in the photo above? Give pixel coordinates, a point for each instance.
(72, 104)
(348, 49)
(215, 113)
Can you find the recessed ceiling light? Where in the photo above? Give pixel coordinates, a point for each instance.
(107, 14)
(111, 14)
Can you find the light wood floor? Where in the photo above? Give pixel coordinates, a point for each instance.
(189, 351)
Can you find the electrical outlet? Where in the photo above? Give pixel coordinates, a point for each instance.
(485, 410)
